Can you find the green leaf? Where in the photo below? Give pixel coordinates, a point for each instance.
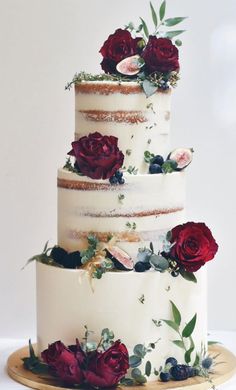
(127, 382)
(188, 275)
(213, 342)
(136, 373)
(145, 28)
(189, 328)
(148, 368)
(172, 325)
(179, 343)
(178, 42)
(154, 15)
(173, 21)
(196, 361)
(149, 88)
(162, 10)
(172, 34)
(176, 314)
(134, 361)
(141, 380)
(31, 350)
(187, 355)
(140, 350)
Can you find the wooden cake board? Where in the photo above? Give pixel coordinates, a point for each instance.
(222, 372)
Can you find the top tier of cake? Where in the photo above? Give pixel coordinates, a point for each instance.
(122, 110)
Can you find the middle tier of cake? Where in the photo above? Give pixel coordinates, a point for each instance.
(135, 213)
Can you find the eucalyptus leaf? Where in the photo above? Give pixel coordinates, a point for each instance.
(148, 368)
(136, 372)
(141, 380)
(179, 343)
(188, 275)
(145, 28)
(178, 42)
(134, 361)
(213, 342)
(159, 263)
(172, 325)
(154, 15)
(149, 88)
(140, 350)
(162, 10)
(127, 382)
(172, 34)
(189, 328)
(173, 21)
(176, 313)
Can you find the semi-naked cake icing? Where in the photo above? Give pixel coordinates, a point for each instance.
(121, 298)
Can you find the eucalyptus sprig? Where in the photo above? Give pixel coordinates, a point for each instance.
(161, 25)
(43, 257)
(185, 340)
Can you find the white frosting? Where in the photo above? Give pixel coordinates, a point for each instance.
(66, 302)
(155, 203)
(133, 136)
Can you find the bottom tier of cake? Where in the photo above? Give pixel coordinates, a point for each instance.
(134, 306)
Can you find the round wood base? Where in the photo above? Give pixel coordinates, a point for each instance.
(223, 371)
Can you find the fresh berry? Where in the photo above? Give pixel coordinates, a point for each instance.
(164, 376)
(158, 160)
(58, 254)
(121, 180)
(119, 175)
(113, 180)
(179, 372)
(192, 371)
(207, 363)
(155, 168)
(172, 361)
(140, 267)
(174, 273)
(147, 266)
(72, 260)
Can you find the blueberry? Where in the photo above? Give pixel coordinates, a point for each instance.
(119, 174)
(174, 273)
(72, 260)
(192, 371)
(179, 372)
(207, 363)
(164, 376)
(113, 180)
(140, 267)
(155, 168)
(158, 160)
(172, 361)
(147, 266)
(58, 254)
(121, 180)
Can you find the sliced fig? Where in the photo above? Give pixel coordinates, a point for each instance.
(182, 156)
(121, 260)
(130, 66)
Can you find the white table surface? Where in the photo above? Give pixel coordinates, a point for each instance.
(7, 346)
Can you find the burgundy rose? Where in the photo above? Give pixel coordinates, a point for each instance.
(193, 245)
(160, 55)
(97, 156)
(118, 46)
(107, 368)
(63, 362)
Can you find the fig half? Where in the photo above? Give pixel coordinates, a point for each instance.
(130, 66)
(121, 260)
(182, 156)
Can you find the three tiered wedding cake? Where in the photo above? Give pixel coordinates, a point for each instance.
(127, 264)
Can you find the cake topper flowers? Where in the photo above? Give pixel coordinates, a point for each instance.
(151, 57)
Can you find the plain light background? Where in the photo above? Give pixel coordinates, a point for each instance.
(42, 44)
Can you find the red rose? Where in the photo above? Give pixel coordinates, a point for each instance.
(193, 245)
(63, 362)
(97, 156)
(160, 55)
(118, 46)
(107, 368)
